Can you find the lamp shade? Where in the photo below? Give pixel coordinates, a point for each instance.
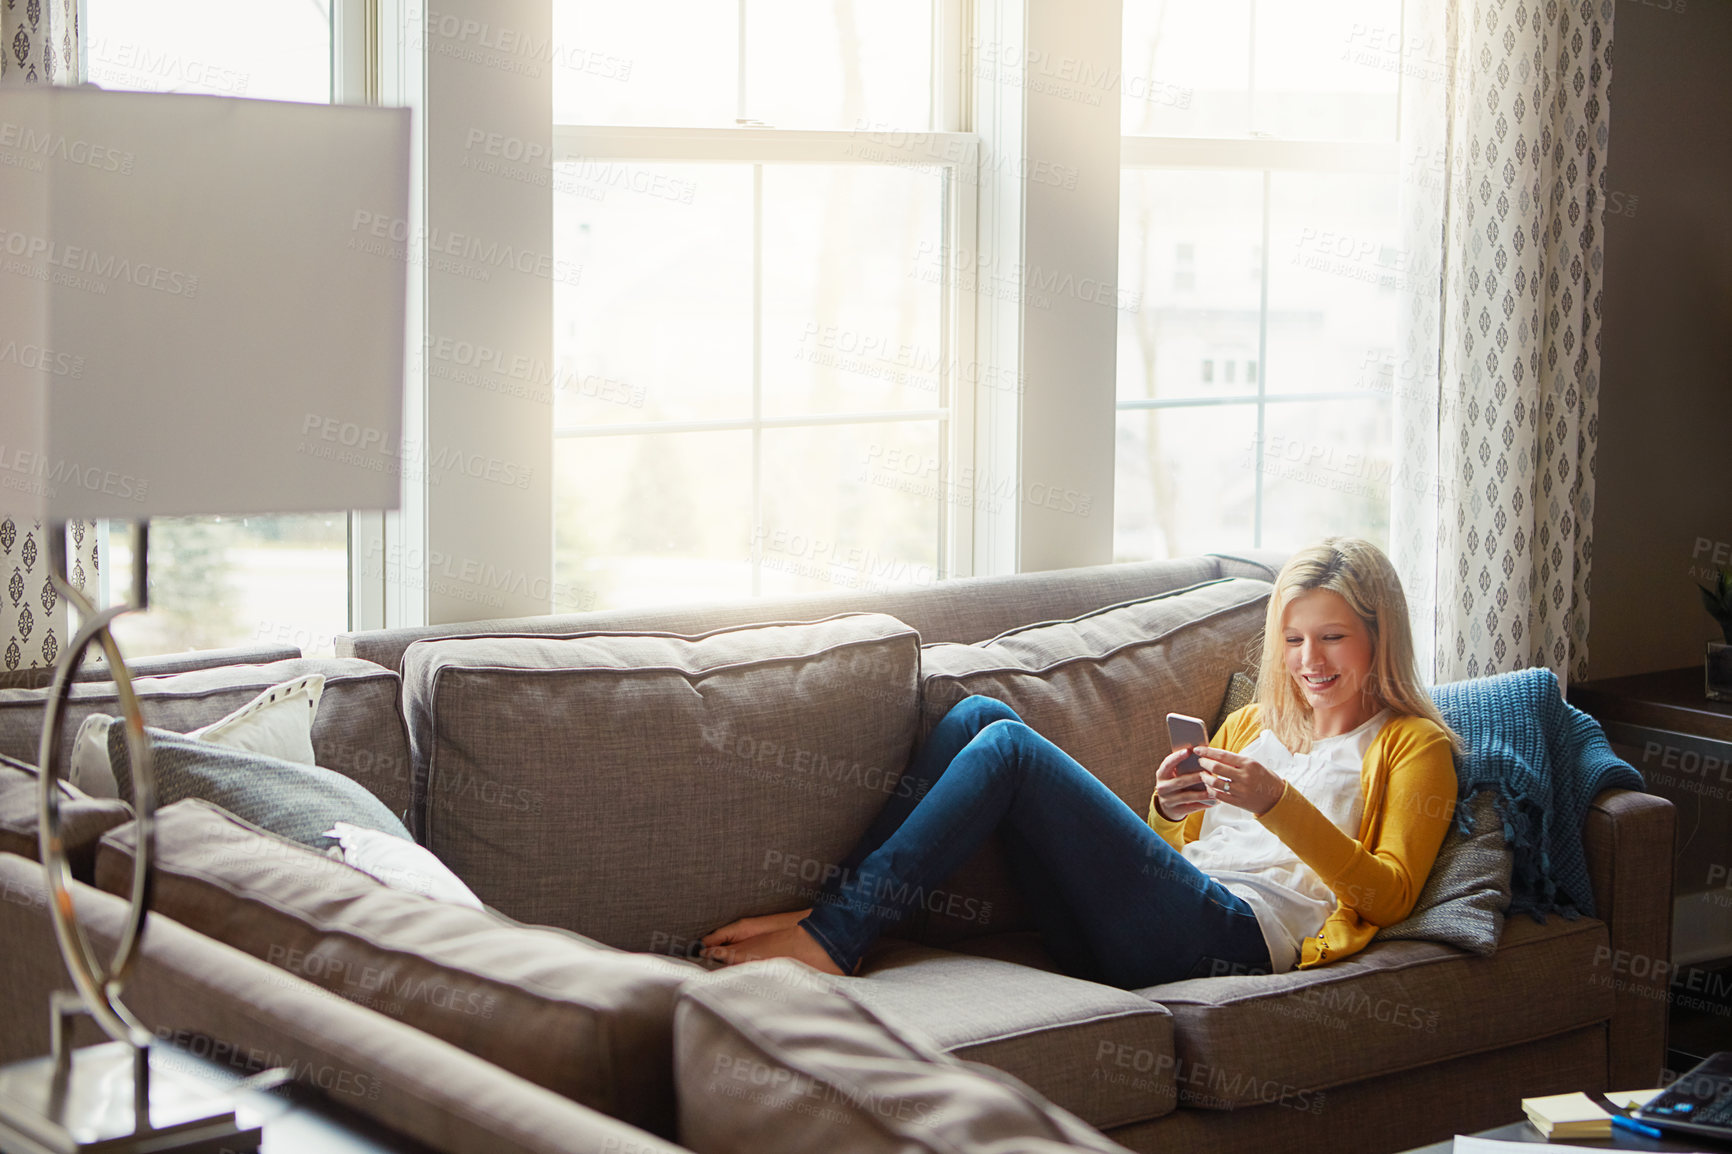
(201, 304)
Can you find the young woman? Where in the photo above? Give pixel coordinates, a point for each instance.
(1313, 820)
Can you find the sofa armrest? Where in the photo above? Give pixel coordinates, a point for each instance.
(1628, 837)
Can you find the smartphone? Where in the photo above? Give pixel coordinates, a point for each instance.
(1188, 731)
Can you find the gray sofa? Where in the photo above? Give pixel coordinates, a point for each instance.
(634, 778)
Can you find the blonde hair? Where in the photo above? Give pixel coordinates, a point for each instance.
(1362, 575)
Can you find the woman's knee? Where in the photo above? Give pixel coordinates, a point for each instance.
(980, 711)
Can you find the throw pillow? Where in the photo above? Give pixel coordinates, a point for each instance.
(773, 1057)
(90, 769)
(1464, 899)
(400, 864)
(299, 802)
(278, 723)
(1241, 691)
(83, 819)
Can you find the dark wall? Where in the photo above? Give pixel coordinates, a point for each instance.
(1663, 493)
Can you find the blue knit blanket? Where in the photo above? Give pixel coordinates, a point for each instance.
(1545, 760)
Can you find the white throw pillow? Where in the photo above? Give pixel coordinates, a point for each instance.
(401, 865)
(91, 770)
(277, 723)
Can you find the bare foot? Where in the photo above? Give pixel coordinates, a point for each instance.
(792, 942)
(738, 931)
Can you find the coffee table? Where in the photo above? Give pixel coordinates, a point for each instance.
(1620, 1140)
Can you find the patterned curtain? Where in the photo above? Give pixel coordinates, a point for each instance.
(39, 46)
(1504, 133)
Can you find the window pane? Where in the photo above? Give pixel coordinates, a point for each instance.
(815, 65)
(1335, 283)
(1187, 68)
(677, 62)
(646, 62)
(1184, 481)
(267, 49)
(1190, 243)
(652, 520)
(659, 323)
(1326, 470)
(223, 581)
(851, 507)
(1316, 71)
(848, 326)
(1327, 69)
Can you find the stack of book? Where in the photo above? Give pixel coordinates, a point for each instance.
(1568, 1116)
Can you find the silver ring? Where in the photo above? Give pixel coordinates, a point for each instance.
(99, 986)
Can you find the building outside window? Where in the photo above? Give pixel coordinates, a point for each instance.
(1255, 127)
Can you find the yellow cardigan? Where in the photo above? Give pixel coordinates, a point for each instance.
(1409, 783)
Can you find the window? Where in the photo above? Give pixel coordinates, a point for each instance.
(223, 581)
(759, 363)
(1260, 128)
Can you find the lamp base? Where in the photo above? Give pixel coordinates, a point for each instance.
(91, 1111)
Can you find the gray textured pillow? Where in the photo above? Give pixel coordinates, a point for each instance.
(1464, 899)
(299, 802)
(775, 1058)
(1241, 691)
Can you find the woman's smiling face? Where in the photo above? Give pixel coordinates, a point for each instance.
(1329, 654)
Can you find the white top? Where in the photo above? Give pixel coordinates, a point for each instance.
(1290, 900)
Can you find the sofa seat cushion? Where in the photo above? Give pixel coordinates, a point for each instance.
(358, 730)
(1106, 1055)
(1248, 1040)
(589, 1022)
(773, 1057)
(645, 789)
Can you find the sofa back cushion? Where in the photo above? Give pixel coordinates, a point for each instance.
(357, 732)
(589, 1022)
(646, 788)
(1100, 687)
(83, 819)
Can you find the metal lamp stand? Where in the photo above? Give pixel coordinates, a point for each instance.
(106, 1098)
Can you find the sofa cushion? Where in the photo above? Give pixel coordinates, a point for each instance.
(358, 731)
(592, 1023)
(83, 820)
(299, 802)
(1100, 687)
(1242, 1040)
(772, 1056)
(1104, 1054)
(243, 1014)
(646, 788)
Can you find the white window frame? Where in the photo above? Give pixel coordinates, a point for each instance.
(956, 156)
(376, 59)
(1054, 434)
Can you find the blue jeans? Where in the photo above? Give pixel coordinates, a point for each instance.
(1114, 902)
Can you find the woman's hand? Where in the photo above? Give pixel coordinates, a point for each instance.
(1178, 794)
(1240, 780)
